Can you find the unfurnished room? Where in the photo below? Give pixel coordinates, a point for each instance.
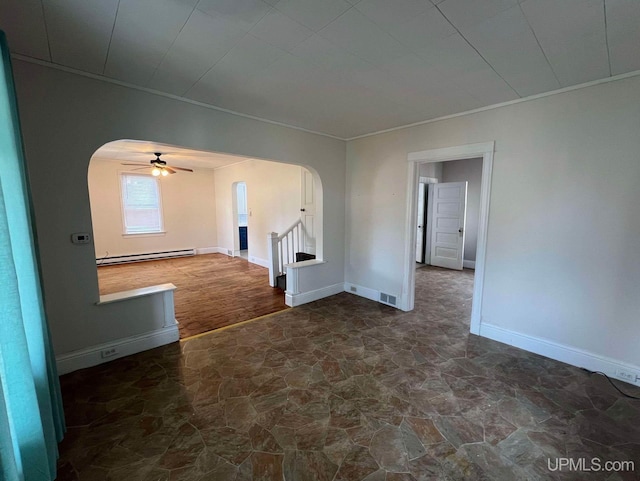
(319, 240)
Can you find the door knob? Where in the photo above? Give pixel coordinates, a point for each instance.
(302, 210)
(460, 230)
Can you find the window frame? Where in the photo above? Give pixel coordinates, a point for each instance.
(150, 233)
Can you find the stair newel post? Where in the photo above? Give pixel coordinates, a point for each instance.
(272, 249)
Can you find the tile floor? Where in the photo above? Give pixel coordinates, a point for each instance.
(345, 389)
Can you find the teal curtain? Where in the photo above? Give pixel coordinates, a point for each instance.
(31, 416)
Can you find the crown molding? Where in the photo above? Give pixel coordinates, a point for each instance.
(102, 78)
(592, 83)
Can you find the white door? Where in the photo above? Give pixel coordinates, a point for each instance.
(421, 224)
(308, 212)
(448, 211)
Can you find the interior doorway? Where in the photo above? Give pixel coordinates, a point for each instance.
(448, 207)
(186, 226)
(242, 217)
(434, 160)
(423, 231)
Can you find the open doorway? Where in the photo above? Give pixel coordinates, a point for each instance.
(455, 234)
(182, 226)
(448, 208)
(241, 219)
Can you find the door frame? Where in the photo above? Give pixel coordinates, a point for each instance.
(234, 214)
(469, 151)
(429, 181)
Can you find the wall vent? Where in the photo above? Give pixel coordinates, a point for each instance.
(388, 299)
(229, 252)
(354, 289)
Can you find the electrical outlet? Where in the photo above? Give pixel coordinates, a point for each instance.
(354, 289)
(628, 376)
(112, 351)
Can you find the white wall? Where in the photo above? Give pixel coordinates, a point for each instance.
(563, 220)
(467, 170)
(188, 208)
(65, 117)
(273, 200)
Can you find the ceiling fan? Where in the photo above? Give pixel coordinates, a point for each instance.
(160, 167)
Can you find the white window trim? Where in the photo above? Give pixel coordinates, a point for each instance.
(125, 234)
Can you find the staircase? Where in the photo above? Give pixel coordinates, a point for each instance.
(286, 248)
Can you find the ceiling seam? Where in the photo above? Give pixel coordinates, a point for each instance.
(324, 26)
(544, 54)
(102, 78)
(413, 52)
(113, 28)
(226, 53)
(476, 50)
(606, 36)
(155, 70)
(46, 30)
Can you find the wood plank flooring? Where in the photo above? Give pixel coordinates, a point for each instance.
(213, 290)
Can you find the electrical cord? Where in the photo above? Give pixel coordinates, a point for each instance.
(611, 382)
(102, 259)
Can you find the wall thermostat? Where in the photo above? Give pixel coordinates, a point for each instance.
(81, 238)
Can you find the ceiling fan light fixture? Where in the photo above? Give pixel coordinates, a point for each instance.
(155, 172)
(164, 172)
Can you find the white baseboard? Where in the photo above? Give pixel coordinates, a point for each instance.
(293, 300)
(209, 250)
(212, 250)
(373, 295)
(559, 352)
(258, 261)
(92, 356)
(365, 292)
(469, 264)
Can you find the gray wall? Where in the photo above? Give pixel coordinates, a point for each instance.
(431, 169)
(468, 170)
(563, 217)
(65, 117)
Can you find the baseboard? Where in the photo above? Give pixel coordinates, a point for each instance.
(258, 261)
(209, 250)
(365, 292)
(92, 356)
(560, 352)
(469, 264)
(293, 300)
(373, 295)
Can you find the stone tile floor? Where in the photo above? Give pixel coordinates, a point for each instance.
(345, 389)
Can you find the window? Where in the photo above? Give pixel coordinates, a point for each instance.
(141, 207)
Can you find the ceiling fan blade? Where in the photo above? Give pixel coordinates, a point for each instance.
(134, 164)
(181, 168)
(170, 170)
(141, 168)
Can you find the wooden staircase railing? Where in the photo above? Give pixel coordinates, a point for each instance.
(282, 249)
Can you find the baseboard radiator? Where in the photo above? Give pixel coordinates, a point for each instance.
(149, 256)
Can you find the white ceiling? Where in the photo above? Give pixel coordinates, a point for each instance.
(343, 67)
(126, 151)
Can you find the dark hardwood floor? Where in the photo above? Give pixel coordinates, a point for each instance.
(213, 290)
